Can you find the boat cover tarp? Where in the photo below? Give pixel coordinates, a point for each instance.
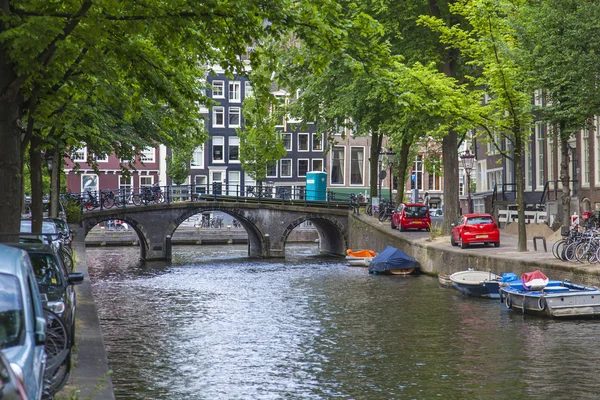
(535, 280)
(509, 277)
(361, 253)
(391, 258)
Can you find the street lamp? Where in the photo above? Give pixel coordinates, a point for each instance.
(49, 160)
(468, 160)
(390, 155)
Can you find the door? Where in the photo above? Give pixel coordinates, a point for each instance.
(217, 179)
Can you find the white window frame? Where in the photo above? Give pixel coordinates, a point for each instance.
(315, 140)
(93, 188)
(234, 185)
(104, 159)
(233, 141)
(540, 147)
(312, 164)
(528, 162)
(232, 111)
(145, 155)
(197, 158)
(288, 134)
(291, 174)
(200, 185)
(235, 92)
(216, 93)
(343, 167)
(215, 111)
(307, 142)
(248, 89)
(298, 166)
(551, 152)
(362, 167)
(128, 185)
(80, 155)
(143, 177)
(585, 157)
(218, 141)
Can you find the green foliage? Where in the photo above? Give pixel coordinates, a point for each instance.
(178, 165)
(73, 211)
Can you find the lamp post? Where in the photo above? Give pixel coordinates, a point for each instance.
(468, 160)
(54, 185)
(390, 155)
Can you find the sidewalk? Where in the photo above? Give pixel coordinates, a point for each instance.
(438, 255)
(90, 376)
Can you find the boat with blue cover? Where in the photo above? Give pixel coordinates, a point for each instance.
(476, 283)
(557, 299)
(393, 261)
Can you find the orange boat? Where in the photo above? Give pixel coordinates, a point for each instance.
(359, 258)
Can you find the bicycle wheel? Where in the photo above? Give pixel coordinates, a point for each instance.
(557, 248)
(370, 210)
(581, 251)
(57, 339)
(568, 253)
(54, 381)
(383, 215)
(108, 202)
(68, 260)
(137, 199)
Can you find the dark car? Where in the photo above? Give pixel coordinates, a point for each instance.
(411, 216)
(475, 229)
(54, 280)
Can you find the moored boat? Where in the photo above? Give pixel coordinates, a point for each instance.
(359, 258)
(393, 261)
(476, 283)
(558, 299)
(445, 280)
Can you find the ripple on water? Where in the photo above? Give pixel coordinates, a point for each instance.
(216, 325)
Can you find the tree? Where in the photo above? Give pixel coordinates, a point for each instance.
(178, 165)
(562, 44)
(490, 43)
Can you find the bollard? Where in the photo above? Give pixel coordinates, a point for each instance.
(102, 230)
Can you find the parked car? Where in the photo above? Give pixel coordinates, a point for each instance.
(22, 323)
(411, 216)
(475, 228)
(54, 280)
(12, 388)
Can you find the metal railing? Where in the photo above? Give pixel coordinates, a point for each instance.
(285, 195)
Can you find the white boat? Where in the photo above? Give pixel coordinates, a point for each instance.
(476, 283)
(359, 258)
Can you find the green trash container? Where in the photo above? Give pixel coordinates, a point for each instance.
(316, 186)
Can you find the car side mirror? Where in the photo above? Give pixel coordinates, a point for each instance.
(453, 225)
(40, 331)
(75, 278)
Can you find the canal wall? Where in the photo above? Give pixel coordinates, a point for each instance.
(437, 255)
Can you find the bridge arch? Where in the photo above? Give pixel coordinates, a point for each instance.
(138, 228)
(331, 233)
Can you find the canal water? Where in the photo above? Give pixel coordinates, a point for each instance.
(213, 324)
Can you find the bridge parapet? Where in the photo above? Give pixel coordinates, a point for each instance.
(268, 225)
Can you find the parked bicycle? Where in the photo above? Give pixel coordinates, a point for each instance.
(386, 209)
(148, 195)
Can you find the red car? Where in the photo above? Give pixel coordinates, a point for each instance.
(475, 228)
(411, 216)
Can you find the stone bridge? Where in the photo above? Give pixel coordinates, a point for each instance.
(268, 225)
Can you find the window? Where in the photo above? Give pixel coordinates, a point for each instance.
(317, 164)
(317, 143)
(234, 148)
(416, 179)
(235, 92)
(125, 182)
(272, 169)
(248, 89)
(286, 168)
(218, 91)
(89, 182)
(101, 158)
(217, 148)
(337, 165)
(540, 163)
(147, 154)
(357, 165)
(435, 182)
(198, 157)
(233, 183)
(234, 117)
(585, 157)
(200, 184)
(147, 180)
(551, 154)
(303, 142)
(302, 167)
(462, 181)
(287, 141)
(249, 182)
(219, 117)
(528, 166)
(80, 154)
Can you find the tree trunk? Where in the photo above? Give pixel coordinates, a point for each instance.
(11, 175)
(564, 176)
(450, 164)
(35, 173)
(519, 178)
(55, 184)
(374, 163)
(402, 168)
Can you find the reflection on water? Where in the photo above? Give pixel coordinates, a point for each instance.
(214, 324)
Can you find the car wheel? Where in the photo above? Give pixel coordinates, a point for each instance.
(452, 242)
(400, 227)
(393, 226)
(486, 244)
(461, 243)
(497, 244)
